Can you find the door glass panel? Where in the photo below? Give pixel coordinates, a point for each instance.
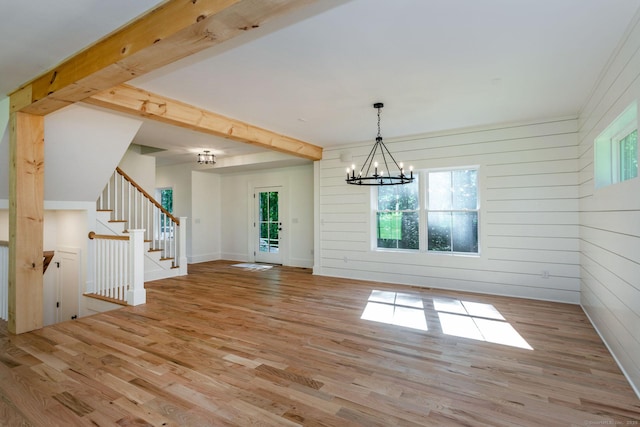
(269, 225)
(264, 206)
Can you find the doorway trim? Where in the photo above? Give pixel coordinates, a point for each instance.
(252, 240)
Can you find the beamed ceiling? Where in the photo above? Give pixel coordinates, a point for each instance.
(311, 74)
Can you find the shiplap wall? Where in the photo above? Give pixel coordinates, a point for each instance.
(610, 217)
(528, 187)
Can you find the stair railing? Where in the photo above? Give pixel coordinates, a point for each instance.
(119, 267)
(129, 202)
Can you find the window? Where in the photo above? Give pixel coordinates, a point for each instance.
(452, 211)
(270, 224)
(165, 195)
(447, 207)
(398, 216)
(616, 150)
(627, 148)
(166, 198)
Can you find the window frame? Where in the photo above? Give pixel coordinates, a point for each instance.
(374, 223)
(606, 148)
(616, 142)
(476, 168)
(423, 211)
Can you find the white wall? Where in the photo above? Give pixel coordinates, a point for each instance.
(65, 229)
(237, 209)
(141, 168)
(610, 217)
(178, 177)
(196, 195)
(205, 218)
(528, 175)
(4, 224)
(82, 147)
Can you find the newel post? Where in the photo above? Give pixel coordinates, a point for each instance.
(182, 245)
(136, 294)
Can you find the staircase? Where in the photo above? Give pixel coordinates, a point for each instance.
(157, 263)
(124, 208)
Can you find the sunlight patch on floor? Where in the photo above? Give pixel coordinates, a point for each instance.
(395, 308)
(465, 319)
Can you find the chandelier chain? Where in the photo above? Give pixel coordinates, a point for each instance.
(382, 174)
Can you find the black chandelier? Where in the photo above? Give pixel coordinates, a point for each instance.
(206, 158)
(379, 177)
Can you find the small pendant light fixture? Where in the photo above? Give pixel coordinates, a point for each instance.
(381, 172)
(206, 158)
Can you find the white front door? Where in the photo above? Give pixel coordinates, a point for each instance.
(268, 225)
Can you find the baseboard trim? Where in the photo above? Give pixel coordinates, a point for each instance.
(635, 388)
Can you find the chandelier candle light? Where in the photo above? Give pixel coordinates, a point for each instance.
(206, 158)
(378, 177)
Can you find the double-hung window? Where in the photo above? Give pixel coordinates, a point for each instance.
(439, 216)
(452, 211)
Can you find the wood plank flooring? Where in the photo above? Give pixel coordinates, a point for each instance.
(225, 346)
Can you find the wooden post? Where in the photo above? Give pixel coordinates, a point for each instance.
(136, 294)
(26, 214)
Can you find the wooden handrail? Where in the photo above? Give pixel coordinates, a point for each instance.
(93, 235)
(48, 256)
(147, 195)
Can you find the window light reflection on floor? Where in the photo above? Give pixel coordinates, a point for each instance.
(395, 308)
(463, 319)
(477, 321)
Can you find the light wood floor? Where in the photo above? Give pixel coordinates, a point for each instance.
(225, 346)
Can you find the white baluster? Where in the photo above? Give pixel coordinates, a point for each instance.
(100, 264)
(110, 268)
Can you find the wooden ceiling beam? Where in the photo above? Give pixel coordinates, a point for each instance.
(173, 30)
(136, 101)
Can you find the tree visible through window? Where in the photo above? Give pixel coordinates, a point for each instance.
(166, 199)
(398, 216)
(452, 213)
(269, 222)
(616, 150)
(628, 148)
(165, 196)
(449, 210)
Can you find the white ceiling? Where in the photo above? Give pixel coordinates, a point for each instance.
(314, 74)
